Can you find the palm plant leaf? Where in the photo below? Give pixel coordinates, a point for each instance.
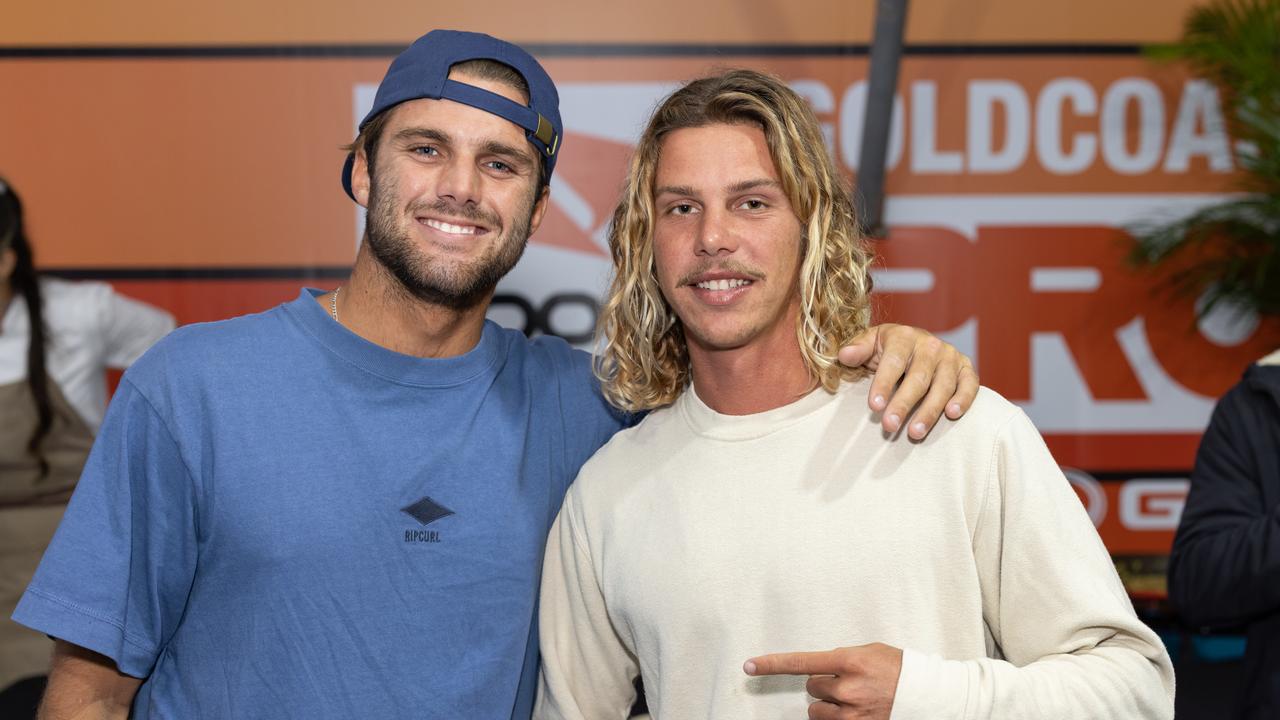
(1231, 251)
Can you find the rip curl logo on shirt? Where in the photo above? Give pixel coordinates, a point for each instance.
(425, 511)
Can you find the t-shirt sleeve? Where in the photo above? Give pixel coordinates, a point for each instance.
(591, 420)
(128, 327)
(116, 577)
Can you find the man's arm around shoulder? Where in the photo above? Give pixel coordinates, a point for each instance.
(84, 685)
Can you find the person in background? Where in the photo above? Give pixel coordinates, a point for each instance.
(57, 339)
(1224, 570)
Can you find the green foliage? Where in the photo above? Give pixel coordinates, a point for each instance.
(1235, 246)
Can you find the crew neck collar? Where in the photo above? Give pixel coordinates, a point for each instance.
(707, 422)
(391, 365)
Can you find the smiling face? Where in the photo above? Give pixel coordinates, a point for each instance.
(451, 201)
(726, 241)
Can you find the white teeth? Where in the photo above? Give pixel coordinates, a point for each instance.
(450, 228)
(723, 284)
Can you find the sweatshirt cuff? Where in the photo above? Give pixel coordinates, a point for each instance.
(930, 688)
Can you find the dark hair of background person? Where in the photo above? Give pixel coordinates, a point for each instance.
(26, 283)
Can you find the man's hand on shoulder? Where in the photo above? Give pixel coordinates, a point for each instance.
(850, 682)
(930, 375)
(84, 685)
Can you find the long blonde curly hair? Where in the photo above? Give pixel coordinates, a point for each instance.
(642, 359)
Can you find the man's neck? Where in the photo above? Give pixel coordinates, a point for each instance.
(374, 305)
(749, 380)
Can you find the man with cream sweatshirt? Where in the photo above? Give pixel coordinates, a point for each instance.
(755, 515)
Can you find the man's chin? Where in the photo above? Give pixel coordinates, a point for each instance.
(720, 340)
(452, 283)
(454, 297)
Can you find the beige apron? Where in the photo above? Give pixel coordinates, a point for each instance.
(30, 508)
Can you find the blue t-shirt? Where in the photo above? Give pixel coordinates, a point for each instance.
(280, 519)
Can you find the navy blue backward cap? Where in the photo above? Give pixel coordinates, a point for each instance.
(422, 71)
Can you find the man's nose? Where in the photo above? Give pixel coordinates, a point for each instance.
(459, 181)
(716, 234)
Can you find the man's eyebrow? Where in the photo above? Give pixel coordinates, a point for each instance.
(494, 147)
(421, 133)
(746, 185)
(737, 187)
(674, 190)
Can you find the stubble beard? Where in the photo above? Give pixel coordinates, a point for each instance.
(458, 288)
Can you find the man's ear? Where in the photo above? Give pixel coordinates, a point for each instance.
(360, 178)
(540, 208)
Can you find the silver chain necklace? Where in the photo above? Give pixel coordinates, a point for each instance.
(333, 303)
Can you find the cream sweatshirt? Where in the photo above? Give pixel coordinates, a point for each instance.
(696, 540)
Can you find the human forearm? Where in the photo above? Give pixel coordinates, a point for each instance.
(64, 708)
(84, 685)
(1118, 676)
(1105, 682)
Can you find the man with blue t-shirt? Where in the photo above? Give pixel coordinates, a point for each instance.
(337, 508)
